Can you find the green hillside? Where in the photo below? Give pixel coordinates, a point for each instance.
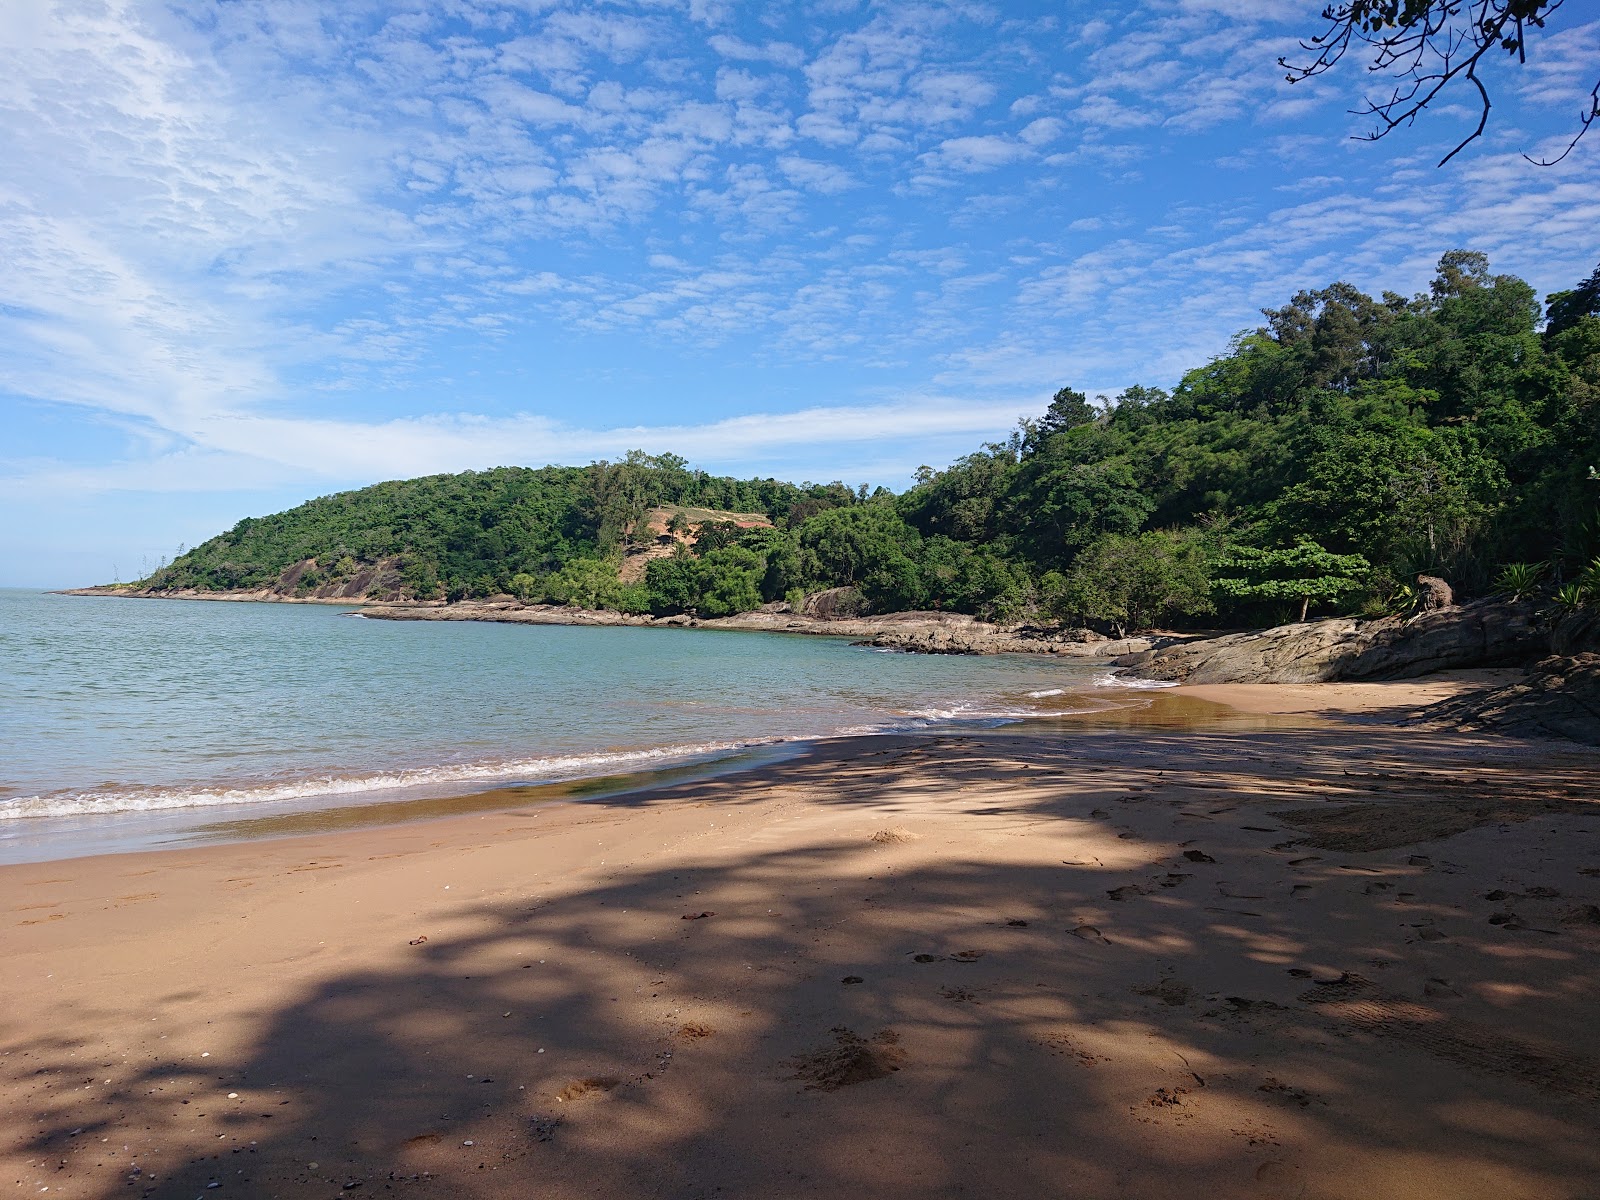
(1331, 455)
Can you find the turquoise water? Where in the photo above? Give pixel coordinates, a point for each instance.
(112, 706)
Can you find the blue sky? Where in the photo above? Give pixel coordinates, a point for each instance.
(256, 251)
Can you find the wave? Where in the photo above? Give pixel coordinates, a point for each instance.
(556, 768)
(1112, 679)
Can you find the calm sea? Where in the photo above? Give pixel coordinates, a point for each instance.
(115, 711)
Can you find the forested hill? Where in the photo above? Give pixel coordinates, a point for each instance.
(1324, 461)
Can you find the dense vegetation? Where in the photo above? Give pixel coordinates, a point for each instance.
(1330, 456)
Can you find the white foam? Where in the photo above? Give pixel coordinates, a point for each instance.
(1120, 681)
(1047, 692)
(85, 802)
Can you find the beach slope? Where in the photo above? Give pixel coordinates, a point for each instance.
(1316, 960)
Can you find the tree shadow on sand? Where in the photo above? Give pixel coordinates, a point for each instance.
(1144, 983)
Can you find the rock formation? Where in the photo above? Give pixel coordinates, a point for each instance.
(1491, 633)
(1433, 593)
(1560, 697)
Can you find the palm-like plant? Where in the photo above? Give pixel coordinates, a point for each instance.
(1518, 579)
(1572, 596)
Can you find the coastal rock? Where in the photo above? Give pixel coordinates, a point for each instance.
(913, 632)
(1559, 698)
(1491, 633)
(833, 603)
(1576, 633)
(979, 638)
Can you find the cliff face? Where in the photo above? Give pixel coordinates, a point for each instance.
(1474, 635)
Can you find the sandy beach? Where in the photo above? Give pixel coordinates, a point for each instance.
(1256, 957)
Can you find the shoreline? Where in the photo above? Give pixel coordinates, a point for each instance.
(70, 836)
(1258, 953)
(914, 632)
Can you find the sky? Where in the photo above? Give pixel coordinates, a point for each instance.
(256, 251)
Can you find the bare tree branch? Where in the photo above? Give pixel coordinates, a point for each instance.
(1429, 45)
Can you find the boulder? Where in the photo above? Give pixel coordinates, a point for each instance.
(833, 603)
(1576, 633)
(1433, 592)
(1490, 633)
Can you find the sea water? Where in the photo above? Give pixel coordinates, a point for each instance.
(111, 707)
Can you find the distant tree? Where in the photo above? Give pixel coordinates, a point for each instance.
(1563, 310)
(672, 583)
(714, 535)
(729, 581)
(1428, 46)
(1134, 582)
(586, 583)
(1304, 572)
(1068, 409)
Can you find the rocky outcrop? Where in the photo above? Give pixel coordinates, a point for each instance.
(1576, 633)
(913, 632)
(979, 638)
(1559, 698)
(835, 603)
(299, 583)
(1474, 635)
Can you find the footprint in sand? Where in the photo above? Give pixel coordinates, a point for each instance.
(1284, 1092)
(1198, 856)
(1126, 890)
(1301, 890)
(1172, 878)
(1234, 892)
(1089, 934)
(1584, 914)
(1169, 991)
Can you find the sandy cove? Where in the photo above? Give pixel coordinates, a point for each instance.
(1263, 958)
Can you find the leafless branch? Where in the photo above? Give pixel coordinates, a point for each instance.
(1428, 45)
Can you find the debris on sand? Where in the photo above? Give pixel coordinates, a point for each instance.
(850, 1059)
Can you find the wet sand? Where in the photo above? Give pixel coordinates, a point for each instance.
(1254, 956)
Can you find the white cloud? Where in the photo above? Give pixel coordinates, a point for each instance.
(818, 176)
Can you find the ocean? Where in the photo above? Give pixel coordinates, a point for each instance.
(127, 722)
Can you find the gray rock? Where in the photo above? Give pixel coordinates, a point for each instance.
(1560, 698)
(1475, 635)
